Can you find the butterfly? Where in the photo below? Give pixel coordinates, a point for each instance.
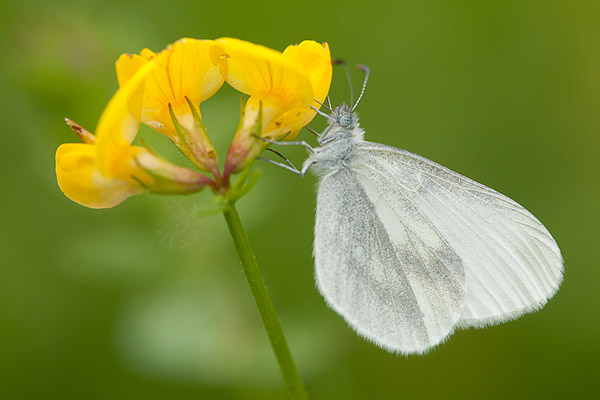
(407, 251)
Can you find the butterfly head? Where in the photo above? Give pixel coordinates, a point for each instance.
(343, 116)
(343, 123)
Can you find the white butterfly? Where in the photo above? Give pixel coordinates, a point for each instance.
(407, 250)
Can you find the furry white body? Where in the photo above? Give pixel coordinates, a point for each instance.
(407, 250)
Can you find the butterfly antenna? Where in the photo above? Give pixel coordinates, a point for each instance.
(322, 113)
(329, 102)
(367, 72)
(348, 76)
(323, 105)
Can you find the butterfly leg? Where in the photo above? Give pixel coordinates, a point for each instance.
(288, 164)
(290, 167)
(317, 134)
(298, 143)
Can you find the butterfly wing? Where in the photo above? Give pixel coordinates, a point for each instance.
(511, 262)
(382, 265)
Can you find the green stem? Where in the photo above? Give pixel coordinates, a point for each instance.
(292, 379)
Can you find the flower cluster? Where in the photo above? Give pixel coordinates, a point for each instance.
(164, 91)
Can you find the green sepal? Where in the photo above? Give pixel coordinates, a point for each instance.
(183, 144)
(216, 205)
(258, 125)
(242, 113)
(243, 184)
(198, 121)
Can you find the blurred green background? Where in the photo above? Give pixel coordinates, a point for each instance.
(148, 300)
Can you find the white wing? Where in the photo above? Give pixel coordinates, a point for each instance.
(382, 265)
(511, 262)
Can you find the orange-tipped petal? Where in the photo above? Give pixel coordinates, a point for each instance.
(85, 135)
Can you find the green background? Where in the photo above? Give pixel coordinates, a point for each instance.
(147, 300)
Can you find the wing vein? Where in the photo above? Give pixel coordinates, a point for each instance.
(534, 250)
(486, 190)
(491, 293)
(490, 248)
(415, 235)
(399, 219)
(494, 235)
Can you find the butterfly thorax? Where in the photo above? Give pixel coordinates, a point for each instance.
(338, 141)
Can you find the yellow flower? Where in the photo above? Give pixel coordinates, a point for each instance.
(281, 85)
(106, 169)
(164, 91)
(185, 76)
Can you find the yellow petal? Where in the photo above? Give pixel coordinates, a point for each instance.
(192, 73)
(184, 70)
(263, 73)
(127, 65)
(147, 54)
(315, 60)
(289, 124)
(119, 122)
(283, 84)
(80, 180)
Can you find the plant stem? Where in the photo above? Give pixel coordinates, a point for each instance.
(290, 375)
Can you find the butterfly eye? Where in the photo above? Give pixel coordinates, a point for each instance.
(345, 120)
